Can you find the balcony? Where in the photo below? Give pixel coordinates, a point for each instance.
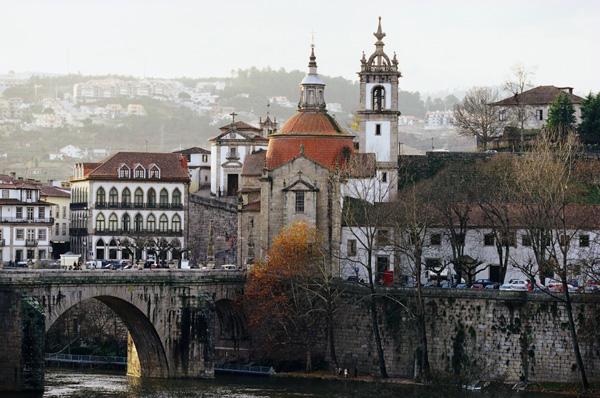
(143, 232)
(141, 206)
(78, 206)
(31, 242)
(2, 243)
(14, 220)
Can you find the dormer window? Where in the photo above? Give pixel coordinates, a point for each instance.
(154, 172)
(124, 172)
(139, 172)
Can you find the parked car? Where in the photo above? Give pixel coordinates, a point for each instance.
(555, 286)
(229, 267)
(591, 286)
(516, 285)
(486, 283)
(461, 286)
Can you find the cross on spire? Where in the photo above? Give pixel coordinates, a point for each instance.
(233, 115)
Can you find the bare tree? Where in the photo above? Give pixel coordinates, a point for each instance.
(552, 215)
(475, 117)
(517, 84)
(366, 219)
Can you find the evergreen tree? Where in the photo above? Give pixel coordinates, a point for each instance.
(561, 116)
(589, 129)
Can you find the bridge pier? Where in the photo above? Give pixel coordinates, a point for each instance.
(170, 317)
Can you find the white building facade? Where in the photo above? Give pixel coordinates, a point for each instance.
(131, 206)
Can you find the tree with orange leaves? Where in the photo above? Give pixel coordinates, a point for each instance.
(287, 320)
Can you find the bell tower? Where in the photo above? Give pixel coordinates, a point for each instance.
(378, 111)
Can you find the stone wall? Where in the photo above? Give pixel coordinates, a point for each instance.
(222, 215)
(504, 336)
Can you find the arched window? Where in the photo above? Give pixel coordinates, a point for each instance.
(138, 223)
(139, 172)
(163, 223)
(113, 222)
(176, 198)
(126, 222)
(100, 197)
(113, 197)
(124, 172)
(378, 98)
(138, 198)
(176, 224)
(126, 197)
(164, 198)
(151, 197)
(100, 222)
(151, 223)
(100, 242)
(100, 249)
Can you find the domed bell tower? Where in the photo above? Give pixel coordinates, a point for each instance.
(378, 111)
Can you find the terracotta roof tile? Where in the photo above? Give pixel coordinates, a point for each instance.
(254, 163)
(327, 150)
(239, 125)
(193, 150)
(49, 190)
(173, 166)
(541, 95)
(311, 123)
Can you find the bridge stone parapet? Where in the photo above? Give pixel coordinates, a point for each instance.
(170, 315)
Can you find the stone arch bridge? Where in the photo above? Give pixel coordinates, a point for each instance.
(171, 315)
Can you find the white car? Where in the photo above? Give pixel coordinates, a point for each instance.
(555, 286)
(515, 284)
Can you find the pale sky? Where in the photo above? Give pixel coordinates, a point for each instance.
(440, 44)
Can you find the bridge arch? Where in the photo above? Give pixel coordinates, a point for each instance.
(149, 348)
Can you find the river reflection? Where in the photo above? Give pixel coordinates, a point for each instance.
(70, 384)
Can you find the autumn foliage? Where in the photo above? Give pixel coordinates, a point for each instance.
(285, 319)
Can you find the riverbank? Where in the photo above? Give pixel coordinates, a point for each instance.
(559, 389)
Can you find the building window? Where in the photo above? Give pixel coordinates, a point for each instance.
(525, 240)
(100, 222)
(5, 194)
(351, 247)
(384, 177)
(502, 115)
(139, 172)
(64, 212)
(126, 197)
(509, 239)
(41, 212)
(138, 197)
(100, 196)
(564, 240)
(126, 222)
(29, 194)
(300, 202)
(42, 234)
(124, 172)
(19, 212)
(488, 239)
(378, 129)
(56, 229)
(540, 114)
(435, 239)
(176, 198)
(138, 223)
(64, 228)
(20, 234)
(164, 198)
(176, 224)
(113, 222)
(30, 213)
(154, 172)
(378, 98)
(163, 223)
(204, 158)
(31, 234)
(113, 197)
(584, 240)
(42, 254)
(151, 197)
(151, 223)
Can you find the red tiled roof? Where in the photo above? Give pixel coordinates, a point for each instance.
(173, 166)
(326, 150)
(311, 123)
(54, 192)
(254, 163)
(239, 125)
(193, 150)
(88, 167)
(541, 95)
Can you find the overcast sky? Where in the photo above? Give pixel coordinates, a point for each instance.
(440, 44)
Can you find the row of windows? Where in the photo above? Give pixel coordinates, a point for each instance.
(21, 233)
(138, 196)
(30, 212)
(29, 254)
(113, 223)
(139, 172)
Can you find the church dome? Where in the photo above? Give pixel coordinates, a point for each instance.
(311, 132)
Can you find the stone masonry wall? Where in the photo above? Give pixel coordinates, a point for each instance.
(222, 216)
(504, 336)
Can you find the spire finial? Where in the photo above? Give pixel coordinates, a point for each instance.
(312, 63)
(379, 34)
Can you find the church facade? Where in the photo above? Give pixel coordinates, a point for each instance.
(309, 165)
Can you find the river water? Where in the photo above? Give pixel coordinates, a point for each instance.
(71, 384)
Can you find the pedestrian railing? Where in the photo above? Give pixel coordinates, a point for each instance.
(86, 359)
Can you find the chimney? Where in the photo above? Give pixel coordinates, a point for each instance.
(13, 174)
